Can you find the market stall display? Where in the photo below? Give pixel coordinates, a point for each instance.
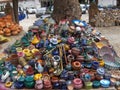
(70, 55)
(8, 27)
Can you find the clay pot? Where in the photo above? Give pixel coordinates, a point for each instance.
(6, 30)
(75, 51)
(14, 32)
(77, 83)
(7, 34)
(1, 32)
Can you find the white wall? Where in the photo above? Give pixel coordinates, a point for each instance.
(29, 3)
(107, 2)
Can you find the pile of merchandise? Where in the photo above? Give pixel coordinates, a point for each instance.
(70, 55)
(8, 27)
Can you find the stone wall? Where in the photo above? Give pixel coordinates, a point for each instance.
(107, 18)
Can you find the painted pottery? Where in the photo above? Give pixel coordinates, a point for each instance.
(5, 75)
(105, 83)
(39, 67)
(76, 65)
(75, 51)
(35, 40)
(29, 82)
(77, 83)
(39, 84)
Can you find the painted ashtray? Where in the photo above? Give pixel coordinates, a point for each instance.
(105, 50)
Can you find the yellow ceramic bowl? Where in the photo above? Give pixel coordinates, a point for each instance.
(37, 76)
(34, 50)
(29, 57)
(99, 44)
(101, 63)
(26, 51)
(8, 84)
(19, 49)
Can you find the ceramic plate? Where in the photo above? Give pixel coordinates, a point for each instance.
(105, 50)
(108, 58)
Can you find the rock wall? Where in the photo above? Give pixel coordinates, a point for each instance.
(107, 18)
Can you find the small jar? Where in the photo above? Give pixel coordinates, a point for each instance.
(39, 84)
(76, 65)
(96, 84)
(95, 65)
(37, 76)
(77, 83)
(88, 85)
(47, 84)
(26, 52)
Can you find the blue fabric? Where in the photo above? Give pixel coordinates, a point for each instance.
(21, 16)
(38, 23)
